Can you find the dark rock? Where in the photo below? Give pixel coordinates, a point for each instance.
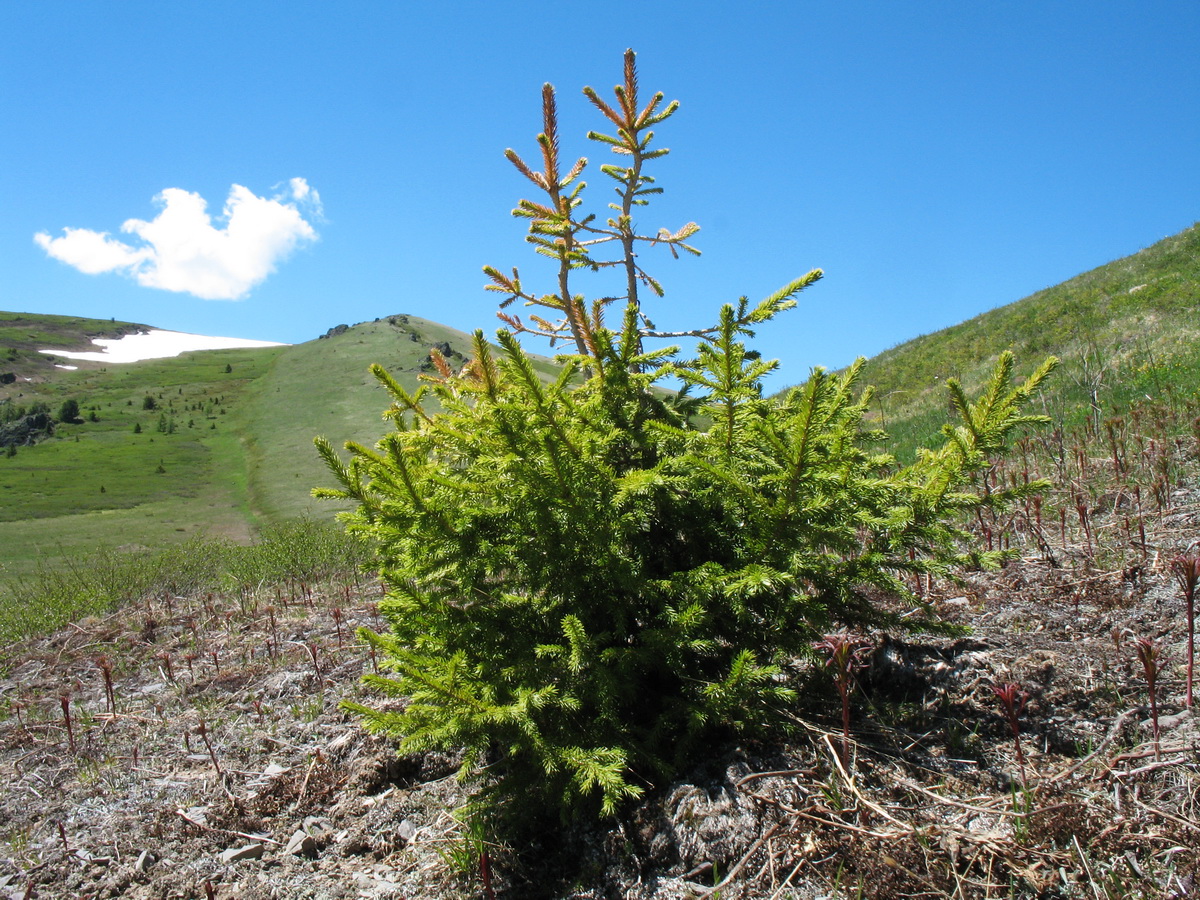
(26, 431)
(334, 331)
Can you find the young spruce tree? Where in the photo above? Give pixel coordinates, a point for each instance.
(587, 587)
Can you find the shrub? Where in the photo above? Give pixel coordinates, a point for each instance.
(69, 412)
(585, 588)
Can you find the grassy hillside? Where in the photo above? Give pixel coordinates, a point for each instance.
(324, 387)
(168, 448)
(1122, 331)
(23, 335)
(149, 463)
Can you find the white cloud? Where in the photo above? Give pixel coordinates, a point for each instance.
(92, 252)
(181, 250)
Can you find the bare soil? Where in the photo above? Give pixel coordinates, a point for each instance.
(220, 764)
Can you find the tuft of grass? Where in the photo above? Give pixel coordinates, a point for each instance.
(303, 550)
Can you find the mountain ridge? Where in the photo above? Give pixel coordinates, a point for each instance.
(232, 429)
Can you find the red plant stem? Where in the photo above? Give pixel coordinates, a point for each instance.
(1012, 699)
(312, 652)
(485, 872)
(1154, 710)
(211, 752)
(1148, 654)
(337, 622)
(1191, 650)
(106, 672)
(65, 701)
(844, 690)
(1186, 568)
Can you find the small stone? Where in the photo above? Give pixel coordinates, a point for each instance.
(237, 854)
(301, 844)
(407, 830)
(198, 814)
(317, 826)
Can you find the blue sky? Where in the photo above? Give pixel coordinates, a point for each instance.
(935, 159)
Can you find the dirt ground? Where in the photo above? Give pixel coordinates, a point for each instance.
(213, 761)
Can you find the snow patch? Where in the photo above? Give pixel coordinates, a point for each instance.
(157, 344)
(68, 368)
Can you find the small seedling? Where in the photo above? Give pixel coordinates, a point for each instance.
(64, 700)
(1012, 700)
(1151, 657)
(212, 754)
(1187, 572)
(104, 664)
(844, 654)
(337, 623)
(313, 651)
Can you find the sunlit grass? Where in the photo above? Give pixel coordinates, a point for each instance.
(63, 590)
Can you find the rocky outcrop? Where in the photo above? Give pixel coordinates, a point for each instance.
(27, 430)
(334, 332)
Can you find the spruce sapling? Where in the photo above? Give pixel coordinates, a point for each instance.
(577, 572)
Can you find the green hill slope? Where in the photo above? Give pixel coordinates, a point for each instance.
(324, 387)
(168, 448)
(1123, 330)
(23, 335)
